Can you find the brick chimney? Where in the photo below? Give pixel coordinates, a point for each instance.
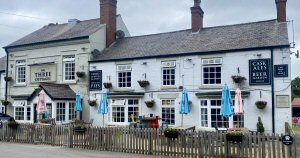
(281, 10)
(108, 16)
(197, 16)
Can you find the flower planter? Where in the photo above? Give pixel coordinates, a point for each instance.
(238, 79)
(171, 133)
(92, 102)
(261, 104)
(7, 78)
(107, 85)
(143, 83)
(79, 129)
(80, 74)
(234, 137)
(5, 102)
(150, 104)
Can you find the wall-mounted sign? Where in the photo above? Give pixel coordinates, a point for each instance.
(282, 101)
(96, 80)
(281, 70)
(259, 72)
(43, 73)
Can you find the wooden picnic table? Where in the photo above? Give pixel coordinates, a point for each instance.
(149, 121)
(185, 127)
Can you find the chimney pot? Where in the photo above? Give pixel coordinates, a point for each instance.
(281, 10)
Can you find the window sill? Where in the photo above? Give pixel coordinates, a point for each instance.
(123, 90)
(70, 82)
(20, 85)
(219, 86)
(168, 87)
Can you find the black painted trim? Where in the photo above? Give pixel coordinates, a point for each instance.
(272, 85)
(193, 53)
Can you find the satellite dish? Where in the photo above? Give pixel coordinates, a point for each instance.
(95, 51)
(120, 34)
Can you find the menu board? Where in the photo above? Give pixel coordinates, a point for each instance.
(281, 70)
(95, 80)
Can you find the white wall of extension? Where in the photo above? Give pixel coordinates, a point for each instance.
(189, 74)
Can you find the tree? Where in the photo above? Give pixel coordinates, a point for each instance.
(295, 87)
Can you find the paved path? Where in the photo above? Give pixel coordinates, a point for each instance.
(11, 150)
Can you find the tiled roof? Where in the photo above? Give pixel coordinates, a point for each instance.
(231, 37)
(55, 32)
(296, 102)
(3, 63)
(58, 91)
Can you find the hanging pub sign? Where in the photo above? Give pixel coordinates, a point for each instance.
(259, 72)
(281, 70)
(96, 80)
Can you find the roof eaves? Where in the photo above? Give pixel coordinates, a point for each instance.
(191, 53)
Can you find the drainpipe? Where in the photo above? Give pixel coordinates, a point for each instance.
(6, 85)
(273, 98)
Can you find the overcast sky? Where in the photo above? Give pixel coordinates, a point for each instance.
(21, 17)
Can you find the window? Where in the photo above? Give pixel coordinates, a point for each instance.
(72, 111)
(168, 111)
(61, 111)
(49, 107)
(3, 109)
(28, 116)
(210, 115)
(212, 71)
(121, 110)
(19, 113)
(124, 75)
(20, 71)
(216, 118)
(168, 73)
(69, 68)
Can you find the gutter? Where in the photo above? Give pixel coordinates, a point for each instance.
(273, 93)
(6, 74)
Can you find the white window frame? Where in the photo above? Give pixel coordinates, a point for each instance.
(212, 62)
(25, 107)
(168, 66)
(124, 102)
(70, 59)
(208, 107)
(66, 110)
(125, 70)
(21, 64)
(170, 107)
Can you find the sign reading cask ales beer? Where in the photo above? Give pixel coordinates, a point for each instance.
(96, 80)
(260, 72)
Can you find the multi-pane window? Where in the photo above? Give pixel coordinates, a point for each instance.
(28, 116)
(61, 111)
(212, 71)
(124, 75)
(20, 71)
(69, 68)
(19, 113)
(168, 73)
(168, 111)
(49, 107)
(72, 111)
(204, 113)
(133, 108)
(122, 109)
(215, 114)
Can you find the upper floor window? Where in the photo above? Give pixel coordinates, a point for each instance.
(212, 71)
(69, 68)
(168, 73)
(124, 75)
(20, 71)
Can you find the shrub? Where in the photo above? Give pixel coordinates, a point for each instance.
(260, 127)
